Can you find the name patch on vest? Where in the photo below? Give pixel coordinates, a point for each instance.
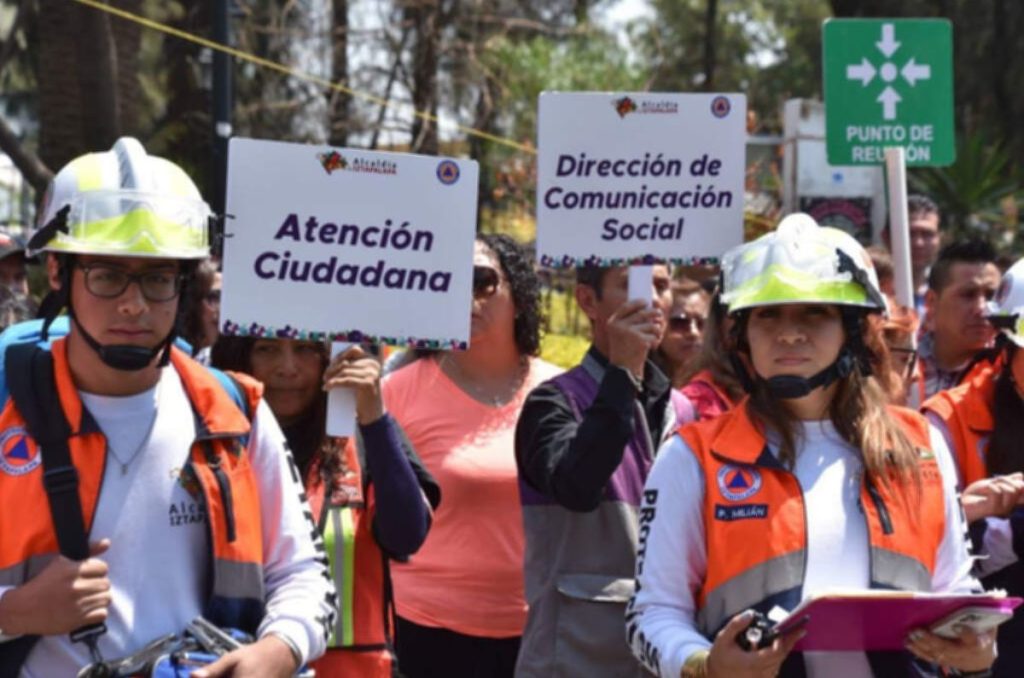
(741, 512)
(737, 483)
(18, 453)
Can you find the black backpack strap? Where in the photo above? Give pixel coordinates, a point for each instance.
(29, 371)
(30, 380)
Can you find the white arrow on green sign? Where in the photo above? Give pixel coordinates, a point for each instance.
(889, 82)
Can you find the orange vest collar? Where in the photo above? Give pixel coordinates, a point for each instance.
(66, 389)
(733, 440)
(218, 415)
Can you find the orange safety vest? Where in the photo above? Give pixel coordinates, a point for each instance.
(966, 410)
(756, 528)
(360, 645)
(217, 464)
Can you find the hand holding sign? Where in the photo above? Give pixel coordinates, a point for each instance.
(353, 377)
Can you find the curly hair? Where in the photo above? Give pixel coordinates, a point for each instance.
(517, 264)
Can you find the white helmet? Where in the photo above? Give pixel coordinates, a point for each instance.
(1006, 311)
(123, 202)
(800, 262)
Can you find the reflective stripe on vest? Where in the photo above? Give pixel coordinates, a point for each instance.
(356, 561)
(339, 539)
(966, 410)
(755, 522)
(217, 462)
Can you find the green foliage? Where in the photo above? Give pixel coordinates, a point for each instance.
(525, 68)
(972, 193)
(769, 49)
(563, 350)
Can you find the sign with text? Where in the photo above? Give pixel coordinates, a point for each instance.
(639, 178)
(888, 82)
(348, 245)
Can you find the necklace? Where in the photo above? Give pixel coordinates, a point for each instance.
(495, 393)
(125, 463)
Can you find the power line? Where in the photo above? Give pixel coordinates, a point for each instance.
(291, 72)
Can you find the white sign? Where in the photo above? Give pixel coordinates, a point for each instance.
(348, 245)
(639, 178)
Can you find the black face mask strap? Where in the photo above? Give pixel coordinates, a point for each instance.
(789, 387)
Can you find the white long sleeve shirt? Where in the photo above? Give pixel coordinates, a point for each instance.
(828, 470)
(159, 553)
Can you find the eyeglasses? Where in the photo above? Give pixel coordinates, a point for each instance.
(485, 281)
(683, 322)
(907, 357)
(108, 282)
(212, 297)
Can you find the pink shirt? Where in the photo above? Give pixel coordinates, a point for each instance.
(468, 575)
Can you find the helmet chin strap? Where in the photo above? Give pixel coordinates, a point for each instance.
(125, 356)
(789, 387)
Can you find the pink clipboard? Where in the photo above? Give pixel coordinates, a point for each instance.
(877, 620)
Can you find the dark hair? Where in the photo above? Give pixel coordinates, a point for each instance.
(517, 264)
(971, 251)
(199, 287)
(1005, 453)
(714, 353)
(921, 204)
(592, 277)
(305, 438)
(686, 287)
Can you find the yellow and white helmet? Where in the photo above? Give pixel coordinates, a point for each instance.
(1006, 311)
(123, 202)
(800, 262)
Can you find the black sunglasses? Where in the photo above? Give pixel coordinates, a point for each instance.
(485, 281)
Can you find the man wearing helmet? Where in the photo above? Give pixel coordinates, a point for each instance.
(983, 423)
(190, 508)
(812, 482)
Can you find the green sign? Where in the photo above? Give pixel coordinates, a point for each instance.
(888, 82)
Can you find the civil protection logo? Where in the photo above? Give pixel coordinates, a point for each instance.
(737, 483)
(18, 454)
(720, 106)
(447, 172)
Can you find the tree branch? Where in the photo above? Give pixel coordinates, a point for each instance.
(8, 46)
(31, 167)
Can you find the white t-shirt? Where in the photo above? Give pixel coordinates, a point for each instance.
(157, 527)
(674, 561)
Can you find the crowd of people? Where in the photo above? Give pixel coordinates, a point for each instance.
(736, 441)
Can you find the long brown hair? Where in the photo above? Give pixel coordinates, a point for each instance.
(858, 410)
(714, 354)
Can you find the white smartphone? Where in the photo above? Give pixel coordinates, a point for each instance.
(977, 619)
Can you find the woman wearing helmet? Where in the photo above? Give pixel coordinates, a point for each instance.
(812, 482)
(982, 420)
